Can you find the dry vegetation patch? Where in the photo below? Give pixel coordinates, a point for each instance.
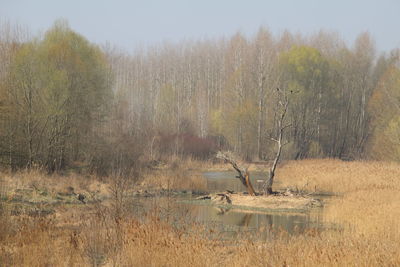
(36, 187)
(368, 198)
(173, 179)
(340, 176)
(94, 234)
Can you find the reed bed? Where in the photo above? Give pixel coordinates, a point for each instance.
(365, 207)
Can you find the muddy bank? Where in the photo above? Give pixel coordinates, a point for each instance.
(277, 202)
(165, 192)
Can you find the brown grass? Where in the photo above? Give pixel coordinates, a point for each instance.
(178, 174)
(369, 198)
(175, 179)
(90, 235)
(53, 184)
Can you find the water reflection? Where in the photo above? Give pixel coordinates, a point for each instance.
(225, 180)
(255, 221)
(230, 222)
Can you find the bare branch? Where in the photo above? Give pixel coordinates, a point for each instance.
(286, 143)
(283, 101)
(287, 126)
(230, 158)
(244, 175)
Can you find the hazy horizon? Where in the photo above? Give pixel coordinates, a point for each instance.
(130, 24)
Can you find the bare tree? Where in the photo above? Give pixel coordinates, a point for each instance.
(283, 105)
(244, 174)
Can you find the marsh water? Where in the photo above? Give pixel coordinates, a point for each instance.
(184, 209)
(220, 181)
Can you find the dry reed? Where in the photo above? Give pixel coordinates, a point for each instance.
(366, 208)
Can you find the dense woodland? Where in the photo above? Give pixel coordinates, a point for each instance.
(66, 103)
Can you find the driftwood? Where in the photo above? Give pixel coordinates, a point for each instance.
(203, 197)
(224, 197)
(243, 173)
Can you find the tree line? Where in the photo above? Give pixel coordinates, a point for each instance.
(67, 103)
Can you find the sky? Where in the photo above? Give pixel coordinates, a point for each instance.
(129, 24)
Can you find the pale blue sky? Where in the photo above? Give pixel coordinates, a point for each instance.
(131, 23)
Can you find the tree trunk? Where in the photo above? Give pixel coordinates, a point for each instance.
(244, 175)
(248, 185)
(284, 104)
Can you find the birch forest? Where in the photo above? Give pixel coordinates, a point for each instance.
(66, 103)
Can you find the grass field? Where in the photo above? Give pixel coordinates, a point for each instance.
(366, 205)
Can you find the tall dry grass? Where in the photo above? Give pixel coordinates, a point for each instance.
(179, 174)
(156, 243)
(175, 179)
(366, 209)
(369, 200)
(340, 176)
(35, 179)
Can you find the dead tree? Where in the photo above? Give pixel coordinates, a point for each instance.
(283, 104)
(243, 173)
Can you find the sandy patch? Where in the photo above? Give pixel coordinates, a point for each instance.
(272, 202)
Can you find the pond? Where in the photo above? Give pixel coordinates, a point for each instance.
(220, 181)
(182, 210)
